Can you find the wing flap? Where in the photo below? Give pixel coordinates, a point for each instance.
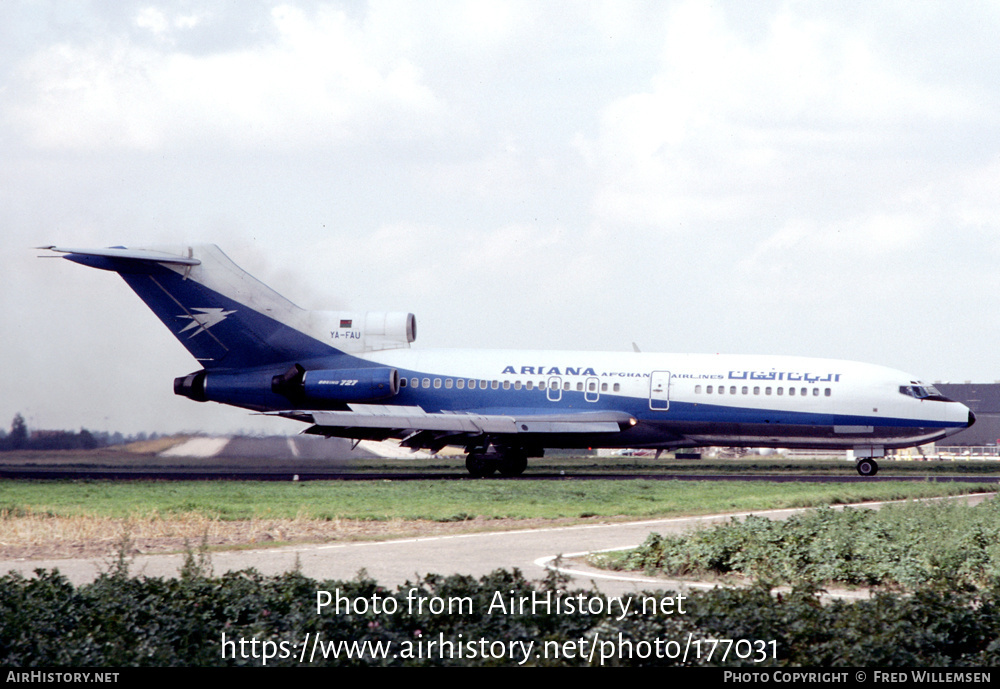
(403, 418)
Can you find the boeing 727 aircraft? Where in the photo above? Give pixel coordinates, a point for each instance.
(354, 375)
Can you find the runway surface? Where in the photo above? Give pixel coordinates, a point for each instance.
(308, 458)
(310, 472)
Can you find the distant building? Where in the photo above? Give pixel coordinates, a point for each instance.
(984, 400)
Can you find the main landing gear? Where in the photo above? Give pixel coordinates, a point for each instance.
(505, 461)
(867, 466)
(864, 456)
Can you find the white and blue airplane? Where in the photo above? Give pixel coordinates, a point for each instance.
(354, 375)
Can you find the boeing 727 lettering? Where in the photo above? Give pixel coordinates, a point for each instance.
(355, 375)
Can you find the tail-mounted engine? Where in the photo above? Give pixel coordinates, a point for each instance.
(264, 390)
(337, 385)
(363, 331)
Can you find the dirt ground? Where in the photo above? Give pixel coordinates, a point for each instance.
(36, 538)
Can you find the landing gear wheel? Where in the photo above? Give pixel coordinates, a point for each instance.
(478, 465)
(513, 464)
(867, 467)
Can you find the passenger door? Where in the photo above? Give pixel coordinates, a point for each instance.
(659, 390)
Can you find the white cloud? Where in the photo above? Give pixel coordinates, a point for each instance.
(318, 82)
(733, 124)
(152, 19)
(157, 22)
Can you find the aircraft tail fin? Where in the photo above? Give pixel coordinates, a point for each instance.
(227, 318)
(222, 315)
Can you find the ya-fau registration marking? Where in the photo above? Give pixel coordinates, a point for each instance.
(355, 375)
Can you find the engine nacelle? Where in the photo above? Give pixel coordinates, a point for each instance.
(249, 389)
(351, 384)
(337, 385)
(261, 389)
(191, 386)
(363, 331)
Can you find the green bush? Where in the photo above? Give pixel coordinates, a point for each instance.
(909, 546)
(120, 621)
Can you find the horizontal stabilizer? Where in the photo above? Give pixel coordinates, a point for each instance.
(151, 255)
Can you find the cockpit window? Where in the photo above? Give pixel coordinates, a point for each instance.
(922, 391)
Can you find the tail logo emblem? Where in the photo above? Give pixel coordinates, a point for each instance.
(204, 319)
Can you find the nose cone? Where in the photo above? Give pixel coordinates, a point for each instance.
(963, 416)
(966, 416)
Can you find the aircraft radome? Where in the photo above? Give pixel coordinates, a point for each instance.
(354, 375)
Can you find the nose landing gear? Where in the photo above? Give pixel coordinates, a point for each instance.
(865, 456)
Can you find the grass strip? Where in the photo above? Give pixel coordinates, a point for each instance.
(433, 500)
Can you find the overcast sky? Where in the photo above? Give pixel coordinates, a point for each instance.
(820, 179)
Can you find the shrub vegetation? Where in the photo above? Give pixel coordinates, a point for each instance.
(905, 547)
(119, 621)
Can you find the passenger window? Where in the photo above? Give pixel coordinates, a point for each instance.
(745, 389)
(483, 384)
(767, 390)
(414, 383)
(815, 392)
(827, 392)
(604, 387)
(427, 382)
(448, 383)
(756, 389)
(460, 383)
(618, 387)
(781, 391)
(697, 389)
(732, 390)
(495, 384)
(437, 383)
(402, 382)
(506, 385)
(517, 385)
(530, 384)
(708, 390)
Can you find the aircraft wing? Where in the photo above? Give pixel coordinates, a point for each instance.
(420, 429)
